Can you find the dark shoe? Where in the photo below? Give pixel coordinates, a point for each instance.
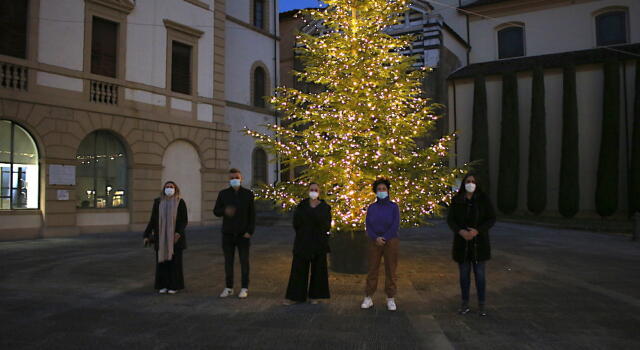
(482, 311)
(464, 309)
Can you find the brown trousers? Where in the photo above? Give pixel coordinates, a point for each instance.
(390, 253)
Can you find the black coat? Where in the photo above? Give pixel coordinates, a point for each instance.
(477, 213)
(312, 226)
(181, 224)
(244, 220)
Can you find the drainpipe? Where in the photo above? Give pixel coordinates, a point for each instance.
(275, 78)
(455, 121)
(626, 127)
(468, 34)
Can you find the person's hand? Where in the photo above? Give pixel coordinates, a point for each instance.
(473, 232)
(230, 211)
(246, 235)
(465, 234)
(380, 241)
(176, 237)
(146, 242)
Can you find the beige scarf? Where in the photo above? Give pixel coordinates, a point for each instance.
(167, 227)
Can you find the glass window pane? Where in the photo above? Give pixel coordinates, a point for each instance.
(5, 186)
(24, 183)
(611, 28)
(181, 68)
(259, 81)
(13, 28)
(24, 148)
(511, 42)
(84, 172)
(5, 141)
(104, 45)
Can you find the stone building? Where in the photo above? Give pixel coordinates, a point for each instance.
(101, 101)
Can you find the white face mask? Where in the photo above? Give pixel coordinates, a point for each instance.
(234, 182)
(382, 195)
(314, 194)
(168, 191)
(470, 187)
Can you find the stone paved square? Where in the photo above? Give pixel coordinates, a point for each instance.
(547, 289)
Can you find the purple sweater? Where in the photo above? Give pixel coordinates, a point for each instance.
(383, 219)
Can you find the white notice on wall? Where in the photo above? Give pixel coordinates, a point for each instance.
(62, 174)
(63, 195)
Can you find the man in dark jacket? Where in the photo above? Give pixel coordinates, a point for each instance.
(236, 207)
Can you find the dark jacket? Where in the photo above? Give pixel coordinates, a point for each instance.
(181, 224)
(244, 220)
(312, 226)
(477, 213)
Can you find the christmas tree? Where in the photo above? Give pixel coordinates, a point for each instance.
(365, 121)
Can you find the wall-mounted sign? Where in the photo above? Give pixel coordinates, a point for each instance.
(62, 174)
(63, 195)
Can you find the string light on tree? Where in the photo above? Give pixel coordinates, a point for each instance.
(363, 124)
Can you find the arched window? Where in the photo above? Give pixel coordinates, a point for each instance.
(259, 87)
(19, 168)
(511, 42)
(259, 13)
(259, 168)
(611, 28)
(102, 171)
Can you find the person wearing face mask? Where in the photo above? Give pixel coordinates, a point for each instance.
(382, 225)
(312, 223)
(235, 205)
(165, 231)
(470, 217)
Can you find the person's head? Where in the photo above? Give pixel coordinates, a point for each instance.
(381, 188)
(235, 177)
(469, 184)
(170, 189)
(314, 190)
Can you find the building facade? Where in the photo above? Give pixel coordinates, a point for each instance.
(252, 55)
(101, 101)
(556, 37)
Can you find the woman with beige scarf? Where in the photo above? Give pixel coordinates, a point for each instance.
(166, 231)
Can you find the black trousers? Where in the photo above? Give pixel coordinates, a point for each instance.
(229, 245)
(300, 287)
(169, 273)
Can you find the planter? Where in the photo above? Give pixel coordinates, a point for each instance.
(349, 252)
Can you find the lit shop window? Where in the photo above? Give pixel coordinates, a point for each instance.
(20, 173)
(102, 172)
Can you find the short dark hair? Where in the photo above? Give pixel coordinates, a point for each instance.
(381, 181)
(234, 170)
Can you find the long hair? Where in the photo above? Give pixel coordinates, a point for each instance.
(176, 195)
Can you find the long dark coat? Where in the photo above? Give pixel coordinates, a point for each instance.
(311, 226)
(477, 213)
(181, 224)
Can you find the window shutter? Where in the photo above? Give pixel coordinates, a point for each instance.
(13, 28)
(181, 68)
(104, 47)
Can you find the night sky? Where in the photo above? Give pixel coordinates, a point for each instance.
(286, 5)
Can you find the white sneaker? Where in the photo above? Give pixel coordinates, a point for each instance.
(162, 291)
(171, 291)
(391, 304)
(226, 292)
(367, 303)
(244, 292)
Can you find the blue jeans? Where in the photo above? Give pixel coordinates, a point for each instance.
(465, 280)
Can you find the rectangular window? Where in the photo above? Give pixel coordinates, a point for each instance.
(611, 28)
(258, 13)
(13, 28)
(181, 68)
(511, 42)
(104, 47)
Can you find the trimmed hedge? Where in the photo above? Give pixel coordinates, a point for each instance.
(608, 164)
(509, 169)
(537, 180)
(569, 192)
(479, 154)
